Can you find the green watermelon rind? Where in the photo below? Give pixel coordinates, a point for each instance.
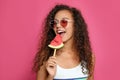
(56, 47)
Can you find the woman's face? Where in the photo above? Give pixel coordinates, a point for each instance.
(63, 25)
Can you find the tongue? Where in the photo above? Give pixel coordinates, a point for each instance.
(62, 34)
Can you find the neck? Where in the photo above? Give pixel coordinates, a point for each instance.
(68, 52)
(68, 49)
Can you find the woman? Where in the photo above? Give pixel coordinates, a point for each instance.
(75, 61)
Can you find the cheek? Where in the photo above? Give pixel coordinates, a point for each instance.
(70, 29)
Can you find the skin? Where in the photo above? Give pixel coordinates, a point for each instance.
(67, 54)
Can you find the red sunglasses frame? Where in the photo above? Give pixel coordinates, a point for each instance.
(62, 22)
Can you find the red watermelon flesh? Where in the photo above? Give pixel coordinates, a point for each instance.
(56, 43)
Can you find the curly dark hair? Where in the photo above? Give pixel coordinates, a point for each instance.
(81, 39)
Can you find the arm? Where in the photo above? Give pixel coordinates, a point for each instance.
(47, 70)
(93, 61)
(42, 73)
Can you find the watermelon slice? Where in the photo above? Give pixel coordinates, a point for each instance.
(56, 43)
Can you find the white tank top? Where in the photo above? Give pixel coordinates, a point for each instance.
(70, 74)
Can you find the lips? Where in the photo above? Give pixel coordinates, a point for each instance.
(61, 32)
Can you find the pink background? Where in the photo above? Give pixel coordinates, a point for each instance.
(20, 22)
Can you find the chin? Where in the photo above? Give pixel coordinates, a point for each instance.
(64, 41)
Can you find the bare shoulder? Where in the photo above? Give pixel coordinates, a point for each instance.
(42, 74)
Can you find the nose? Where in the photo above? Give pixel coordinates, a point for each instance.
(58, 25)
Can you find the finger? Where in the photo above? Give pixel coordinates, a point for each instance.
(51, 65)
(52, 57)
(52, 60)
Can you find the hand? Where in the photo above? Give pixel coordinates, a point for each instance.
(51, 66)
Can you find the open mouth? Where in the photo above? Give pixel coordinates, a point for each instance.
(60, 32)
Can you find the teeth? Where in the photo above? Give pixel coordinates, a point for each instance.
(59, 32)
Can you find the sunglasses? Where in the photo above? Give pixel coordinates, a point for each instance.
(63, 22)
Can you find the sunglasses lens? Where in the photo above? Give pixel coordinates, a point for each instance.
(63, 23)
